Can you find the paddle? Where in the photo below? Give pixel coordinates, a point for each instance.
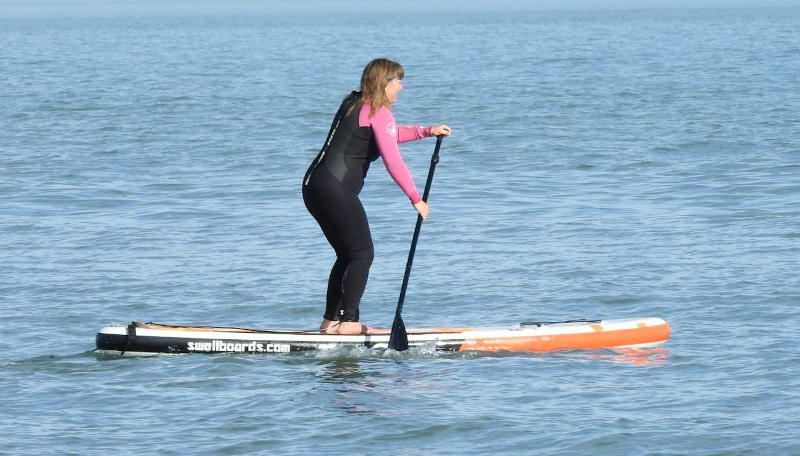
(398, 339)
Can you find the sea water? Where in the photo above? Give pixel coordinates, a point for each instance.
(605, 163)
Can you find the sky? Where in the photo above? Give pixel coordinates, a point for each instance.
(50, 8)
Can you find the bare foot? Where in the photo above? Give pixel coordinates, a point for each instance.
(328, 326)
(354, 327)
(351, 327)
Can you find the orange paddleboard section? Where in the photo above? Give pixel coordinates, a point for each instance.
(597, 338)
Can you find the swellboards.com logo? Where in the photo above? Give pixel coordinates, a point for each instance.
(236, 347)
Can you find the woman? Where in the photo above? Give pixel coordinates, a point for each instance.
(362, 130)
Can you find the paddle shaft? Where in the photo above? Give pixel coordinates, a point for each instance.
(398, 340)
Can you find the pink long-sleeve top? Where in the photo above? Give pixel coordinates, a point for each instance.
(387, 136)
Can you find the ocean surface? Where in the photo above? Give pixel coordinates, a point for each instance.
(605, 163)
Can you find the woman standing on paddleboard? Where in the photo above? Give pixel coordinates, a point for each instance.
(362, 130)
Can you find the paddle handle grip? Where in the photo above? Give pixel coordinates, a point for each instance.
(434, 161)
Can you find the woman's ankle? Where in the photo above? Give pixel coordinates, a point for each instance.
(328, 326)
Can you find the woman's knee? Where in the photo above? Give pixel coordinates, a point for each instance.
(364, 256)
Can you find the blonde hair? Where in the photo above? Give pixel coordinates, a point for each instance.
(376, 76)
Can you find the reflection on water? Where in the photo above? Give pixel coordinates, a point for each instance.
(354, 385)
(640, 357)
(383, 386)
(343, 370)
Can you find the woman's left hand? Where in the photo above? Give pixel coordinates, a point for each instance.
(441, 130)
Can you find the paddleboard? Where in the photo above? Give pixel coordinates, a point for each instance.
(142, 339)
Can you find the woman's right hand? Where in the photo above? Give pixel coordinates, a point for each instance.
(422, 208)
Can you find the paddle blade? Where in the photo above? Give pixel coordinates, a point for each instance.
(398, 339)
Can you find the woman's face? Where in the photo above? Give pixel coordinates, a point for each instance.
(392, 89)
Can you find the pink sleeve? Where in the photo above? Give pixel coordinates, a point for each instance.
(406, 133)
(386, 136)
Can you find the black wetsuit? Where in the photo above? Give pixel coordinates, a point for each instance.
(330, 192)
